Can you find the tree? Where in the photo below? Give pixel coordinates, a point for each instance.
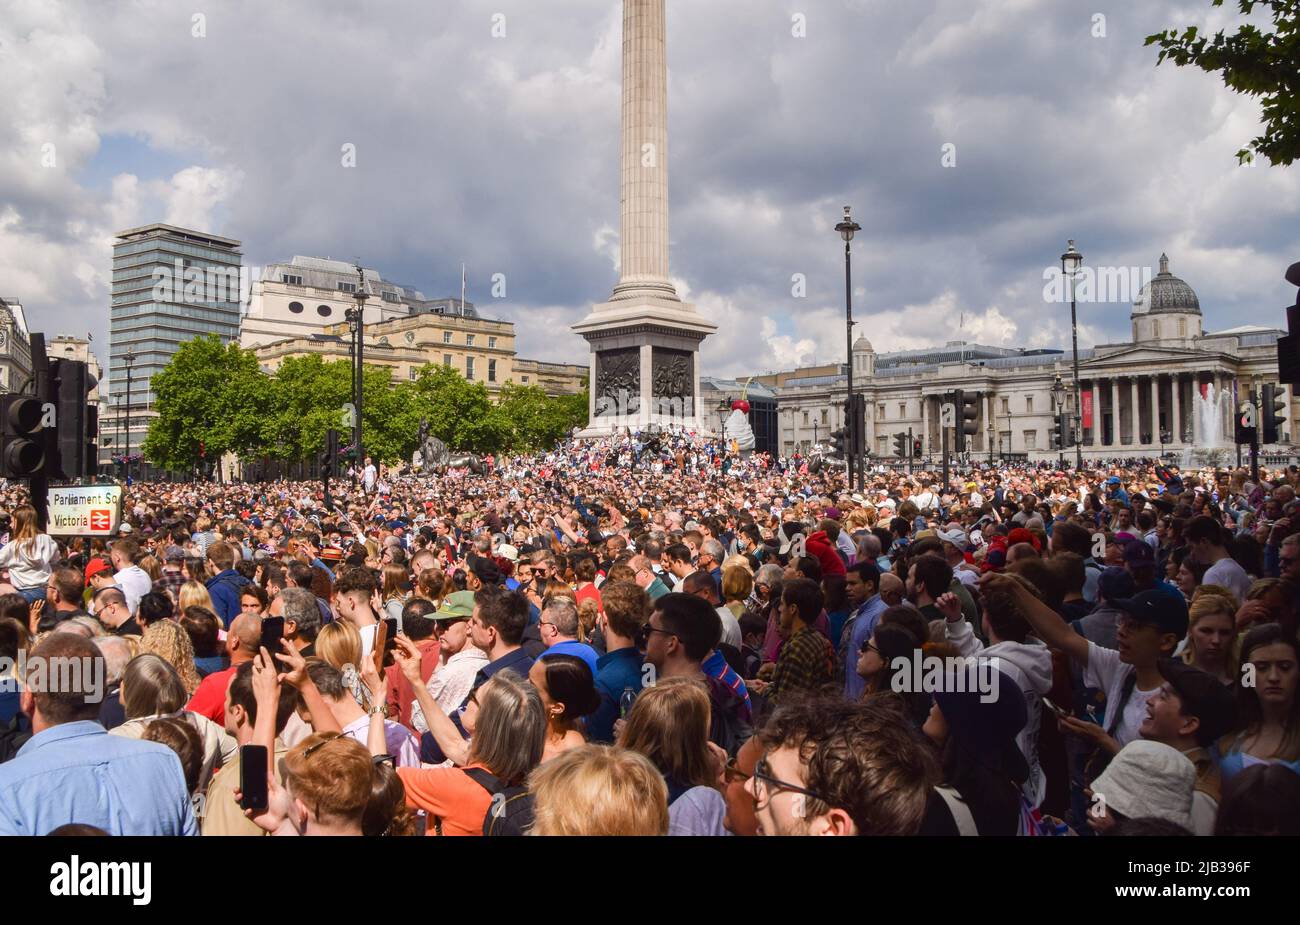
(531, 420)
(459, 411)
(210, 398)
(1257, 63)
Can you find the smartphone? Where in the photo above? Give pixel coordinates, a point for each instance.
(272, 633)
(380, 651)
(252, 776)
(1055, 709)
(390, 640)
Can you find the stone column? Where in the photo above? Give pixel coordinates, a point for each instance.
(644, 181)
(989, 435)
(1176, 406)
(925, 424)
(1114, 413)
(1096, 412)
(1155, 409)
(1135, 417)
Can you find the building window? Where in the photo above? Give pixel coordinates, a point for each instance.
(389, 295)
(492, 343)
(324, 311)
(469, 368)
(1031, 440)
(469, 340)
(446, 337)
(492, 370)
(446, 359)
(523, 379)
(902, 410)
(1029, 404)
(347, 287)
(413, 374)
(1182, 327)
(880, 412)
(823, 415)
(805, 419)
(295, 307)
(1006, 406)
(1155, 328)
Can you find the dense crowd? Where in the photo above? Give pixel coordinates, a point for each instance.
(656, 636)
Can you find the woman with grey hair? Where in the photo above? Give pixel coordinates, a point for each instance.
(507, 725)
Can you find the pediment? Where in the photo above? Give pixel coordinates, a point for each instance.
(1148, 355)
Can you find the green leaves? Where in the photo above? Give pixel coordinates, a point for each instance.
(216, 396)
(1257, 63)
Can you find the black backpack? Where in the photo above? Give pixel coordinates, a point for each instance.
(511, 812)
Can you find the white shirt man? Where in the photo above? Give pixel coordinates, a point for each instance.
(133, 580)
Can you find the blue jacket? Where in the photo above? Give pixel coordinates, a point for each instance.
(224, 588)
(615, 671)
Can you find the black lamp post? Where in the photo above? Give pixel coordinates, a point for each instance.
(723, 407)
(847, 228)
(356, 327)
(1058, 403)
(1071, 260)
(128, 360)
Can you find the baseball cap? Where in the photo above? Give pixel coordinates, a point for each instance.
(1166, 612)
(96, 566)
(456, 606)
(1115, 582)
(1139, 552)
(126, 528)
(831, 513)
(957, 537)
(1203, 696)
(506, 551)
(1113, 480)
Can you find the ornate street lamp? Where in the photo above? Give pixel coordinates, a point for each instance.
(1058, 403)
(1071, 260)
(847, 229)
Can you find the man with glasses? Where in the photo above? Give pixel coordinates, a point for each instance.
(63, 596)
(682, 632)
(830, 767)
(111, 609)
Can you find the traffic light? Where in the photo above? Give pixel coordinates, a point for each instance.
(329, 459)
(858, 425)
(1288, 346)
(1244, 425)
(900, 446)
(1273, 408)
(72, 453)
(968, 411)
(1058, 433)
(22, 437)
(839, 443)
(916, 448)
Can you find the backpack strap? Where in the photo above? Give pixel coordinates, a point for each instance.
(961, 813)
(485, 779)
(1127, 692)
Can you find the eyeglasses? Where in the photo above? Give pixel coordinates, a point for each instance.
(644, 635)
(868, 647)
(766, 786)
(733, 773)
(312, 749)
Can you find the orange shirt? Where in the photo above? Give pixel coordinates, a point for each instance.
(448, 794)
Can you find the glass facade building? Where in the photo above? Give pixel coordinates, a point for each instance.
(169, 286)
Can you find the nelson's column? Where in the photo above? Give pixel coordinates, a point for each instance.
(644, 341)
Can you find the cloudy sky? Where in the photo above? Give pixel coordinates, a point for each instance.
(502, 150)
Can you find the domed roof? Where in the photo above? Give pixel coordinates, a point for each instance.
(862, 344)
(1166, 293)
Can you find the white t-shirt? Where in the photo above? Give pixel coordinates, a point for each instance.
(30, 562)
(135, 584)
(367, 639)
(1106, 672)
(1228, 573)
(730, 627)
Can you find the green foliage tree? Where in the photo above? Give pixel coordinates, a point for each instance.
(210, 398)
(1258, 63)
(530, 420)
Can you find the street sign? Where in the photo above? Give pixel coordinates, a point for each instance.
(91, 510)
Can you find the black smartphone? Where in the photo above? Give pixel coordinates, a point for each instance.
(390, 641)
(272, 633)
(252, 776)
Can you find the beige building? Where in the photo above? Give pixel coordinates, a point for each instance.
(15, 347)
(1139, 398)
(480, 349)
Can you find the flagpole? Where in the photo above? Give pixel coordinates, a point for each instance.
(462, 288)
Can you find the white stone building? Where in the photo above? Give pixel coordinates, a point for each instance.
(1169, 360)
(15, 347)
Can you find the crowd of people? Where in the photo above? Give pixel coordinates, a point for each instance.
(655, 636)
